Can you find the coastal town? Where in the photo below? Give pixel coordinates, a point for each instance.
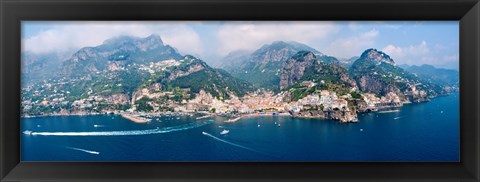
(153, 100)
(305, 85)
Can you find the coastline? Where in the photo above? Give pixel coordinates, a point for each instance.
(137, 116)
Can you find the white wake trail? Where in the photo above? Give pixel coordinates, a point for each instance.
(227, 142)
(83, 150)
(121, 133)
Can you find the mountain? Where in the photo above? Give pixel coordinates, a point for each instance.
(440, 76)
(122, 50)
(375, 72)
(126, 65)
(306, 66)
(39, 66)
(261, 67)
(130, 73)
(196, 75)
(143, 74)
(347, 63)
(233, 60)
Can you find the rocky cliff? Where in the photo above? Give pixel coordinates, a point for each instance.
(375, 72)
(306, 66)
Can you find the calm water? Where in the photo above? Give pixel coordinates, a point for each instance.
(419, 132)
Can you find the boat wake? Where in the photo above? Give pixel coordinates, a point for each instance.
(230, 143)
(398, 117)
(122, 133)
(83, 150)
(389, 111)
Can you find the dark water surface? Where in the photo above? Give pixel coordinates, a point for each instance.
(418, 132)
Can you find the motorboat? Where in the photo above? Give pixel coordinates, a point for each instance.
(224, 132)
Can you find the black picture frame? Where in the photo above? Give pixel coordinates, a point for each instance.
(14, 11)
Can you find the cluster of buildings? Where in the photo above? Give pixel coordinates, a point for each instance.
(389, 100)
(49, 94)
(95, 100)
(45, 94)
(161, 65)
(324, 99)
(250, 103)
(259, 101)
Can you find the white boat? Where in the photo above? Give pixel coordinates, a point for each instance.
(27, 132)
(224, 132)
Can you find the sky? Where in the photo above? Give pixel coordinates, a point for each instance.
(407, 42)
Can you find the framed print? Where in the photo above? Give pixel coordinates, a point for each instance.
(207, 90)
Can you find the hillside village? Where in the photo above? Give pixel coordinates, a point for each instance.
(313, 87)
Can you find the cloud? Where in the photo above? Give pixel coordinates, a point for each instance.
(420, 54)
(451, 58)
(183, 38)
(393, 50)
(74, 35)
(252, 35)
(419, 50)
(351, 46)
(353, 25)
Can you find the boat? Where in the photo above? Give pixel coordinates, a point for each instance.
(224, 132)
(259, 126)
(27, 132)
(278, 124)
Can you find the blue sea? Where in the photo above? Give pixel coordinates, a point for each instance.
(419, 132)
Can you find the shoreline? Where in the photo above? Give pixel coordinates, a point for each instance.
(205, 115)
